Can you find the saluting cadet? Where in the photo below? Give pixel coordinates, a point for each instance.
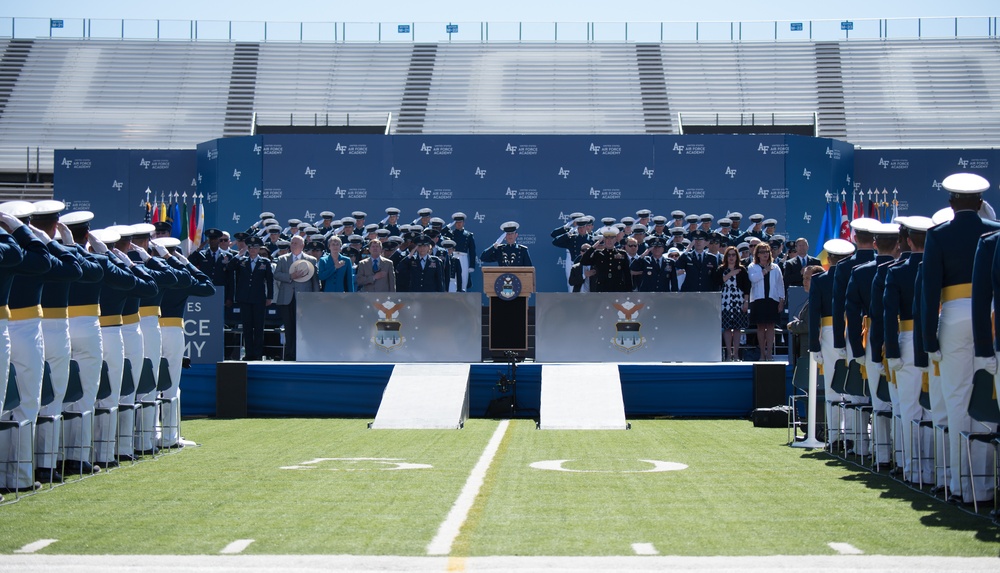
(391, 221)
(756, 228)
(698, 265)
(14, 239)
(653, 272)
(508, 253)
(677, 219)
(454, 274)
(948, 259)
(858, 308)
(26, 344)
(172, 332)
(572, 236)
(612, 264)
(213, 260)
(821, 334)
(252, 287)
(421, 272)
(898, 302)
(465, 248)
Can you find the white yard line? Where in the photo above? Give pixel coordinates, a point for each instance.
(845, 549)
(644, 549)
(449, 529)
(36, 546)
(236, 547)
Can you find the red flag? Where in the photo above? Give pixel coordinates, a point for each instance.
(845, 225)
(858, 209)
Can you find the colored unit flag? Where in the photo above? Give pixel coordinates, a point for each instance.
(857, 209)
(146, 214)
(184, 221)
(845, 225)
(825, 230)
(175, 220)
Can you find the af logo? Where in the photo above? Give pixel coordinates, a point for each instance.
(425, 193)
(236, 174)
(848, 179)
(340, 148)
(595, 193)
(678, 148)
(116, 185)
(883, 163)
(236, 218)
(564, 173)
(425, 148)
(829, 152)
(963, 163)
(763, 148)
(388, 330)
(256, 148)
(730, 172)
(595, 148)
(628, 337)
(806, 173)
(394, 173)
(194, 181)
(481, 173)
(199, 178)
(256, 193)
(807, 217)
(647, 172)
(144, 163)
(310, 172)
(340, 192)
(66, 163)
(936, 184)
(679, 192)
(512, 193)
(309, 215)
(763, 192)
(511, 148)
(479, 217)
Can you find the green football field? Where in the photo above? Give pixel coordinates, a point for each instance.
(667, 487)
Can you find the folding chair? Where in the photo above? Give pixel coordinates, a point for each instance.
(126, 415)
(108, 415)
(856, 385)
(146, 407)
(916, 438)
(11, 402)
(837, 384)
(882, 393)
(74, 392)
(983, 409)
(800, 383)
(48, 396)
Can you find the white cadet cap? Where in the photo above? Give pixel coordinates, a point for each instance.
(512, 226)
(864, 224)
(76, 218)
(942, 216)
(839, 247)
(107, 236)
(123, 231)
(17, 209)
(609, 232)
(143, 229)
(48, 207)
(965, 183)
(885, 229)
(916, 223)
(167, 242)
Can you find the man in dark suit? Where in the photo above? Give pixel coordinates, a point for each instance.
(422, 272)
(213, 260)
(796, 263)
(251, 285)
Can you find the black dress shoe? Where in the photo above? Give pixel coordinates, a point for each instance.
(937, 489)
(126, 458)
(111, 464)
(955, 499)
(48, 475)
(33, 487)
(146, 452)
(77, 467)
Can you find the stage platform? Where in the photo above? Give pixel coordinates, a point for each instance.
(350, 390)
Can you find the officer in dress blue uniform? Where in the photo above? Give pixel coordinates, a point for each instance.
(465, 248)
(213, 260)
(421, 271)
(252, 287)
(507, 253)
(698, 265)
(947, 284)
(572, 236)
(653, 272)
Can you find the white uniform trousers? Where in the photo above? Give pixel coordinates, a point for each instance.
(881, 450)
(150, 326)
(834, 424)
(27, 354)
(859, 429)
(955, 338)
(464, 259)
(568, 265)
(85, 339)
(909, 380)
(132, 344)
(106, 427)
(4, 360)
(170, 415)
(939, 417)
(55, 333)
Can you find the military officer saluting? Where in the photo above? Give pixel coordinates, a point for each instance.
(213, 260)
(506, 252)
(611, 264)
(465, 248)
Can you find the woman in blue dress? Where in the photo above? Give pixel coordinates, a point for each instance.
(336, 270)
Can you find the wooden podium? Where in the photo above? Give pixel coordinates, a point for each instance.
(508, 289)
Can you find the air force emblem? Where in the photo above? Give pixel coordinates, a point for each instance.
(628, 337)
(388, 335)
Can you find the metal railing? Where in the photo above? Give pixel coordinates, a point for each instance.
(322, 119)
(482, 32)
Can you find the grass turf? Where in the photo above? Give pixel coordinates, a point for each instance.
(743, 493)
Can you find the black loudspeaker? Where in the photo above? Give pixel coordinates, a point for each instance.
(769, 385)
(231, 390)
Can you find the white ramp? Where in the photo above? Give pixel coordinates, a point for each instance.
(425, 396)
(581, 397)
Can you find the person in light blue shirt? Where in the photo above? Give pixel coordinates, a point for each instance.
(336, 270)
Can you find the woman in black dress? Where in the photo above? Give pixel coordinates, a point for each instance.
(731, 278)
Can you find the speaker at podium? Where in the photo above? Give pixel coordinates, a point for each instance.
(508, 289)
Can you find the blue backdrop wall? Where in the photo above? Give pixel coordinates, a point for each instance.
(536, 180)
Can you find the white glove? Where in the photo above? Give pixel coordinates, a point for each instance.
(860, 360)
(987, 363)
(160, 249)
(96, 244)
(123, 257)
(142, 252)
(895, 364)
(817, 357)
(65, 234)
(841, 353)
(42, 235)
(12, 222)
(180, 257)
(934, 356)
(875, 370)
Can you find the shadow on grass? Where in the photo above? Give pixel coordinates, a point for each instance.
(937, 512)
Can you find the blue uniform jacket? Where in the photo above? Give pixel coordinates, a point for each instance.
(982, 294)
(876, 310)
(820, 305)
(26, 291)
(858, 305)
(507, 255)
(175, 300)
(841, 276)
(897, 301)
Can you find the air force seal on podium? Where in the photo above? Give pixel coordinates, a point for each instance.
(387, 330)
(628, 338)
(507, 286)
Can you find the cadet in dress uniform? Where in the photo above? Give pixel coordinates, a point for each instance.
(821, 334)
(455, 275)
(572, 236)
(421, 271)
(947, 276)
(508, 253)
(465, 248)
(26, 344)
(252, 287)
(756, 228)
(612, 264)
(391, 221)
(172, 331)
(898, 302)
(213, 260)
(698, 266)
(653, 272)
